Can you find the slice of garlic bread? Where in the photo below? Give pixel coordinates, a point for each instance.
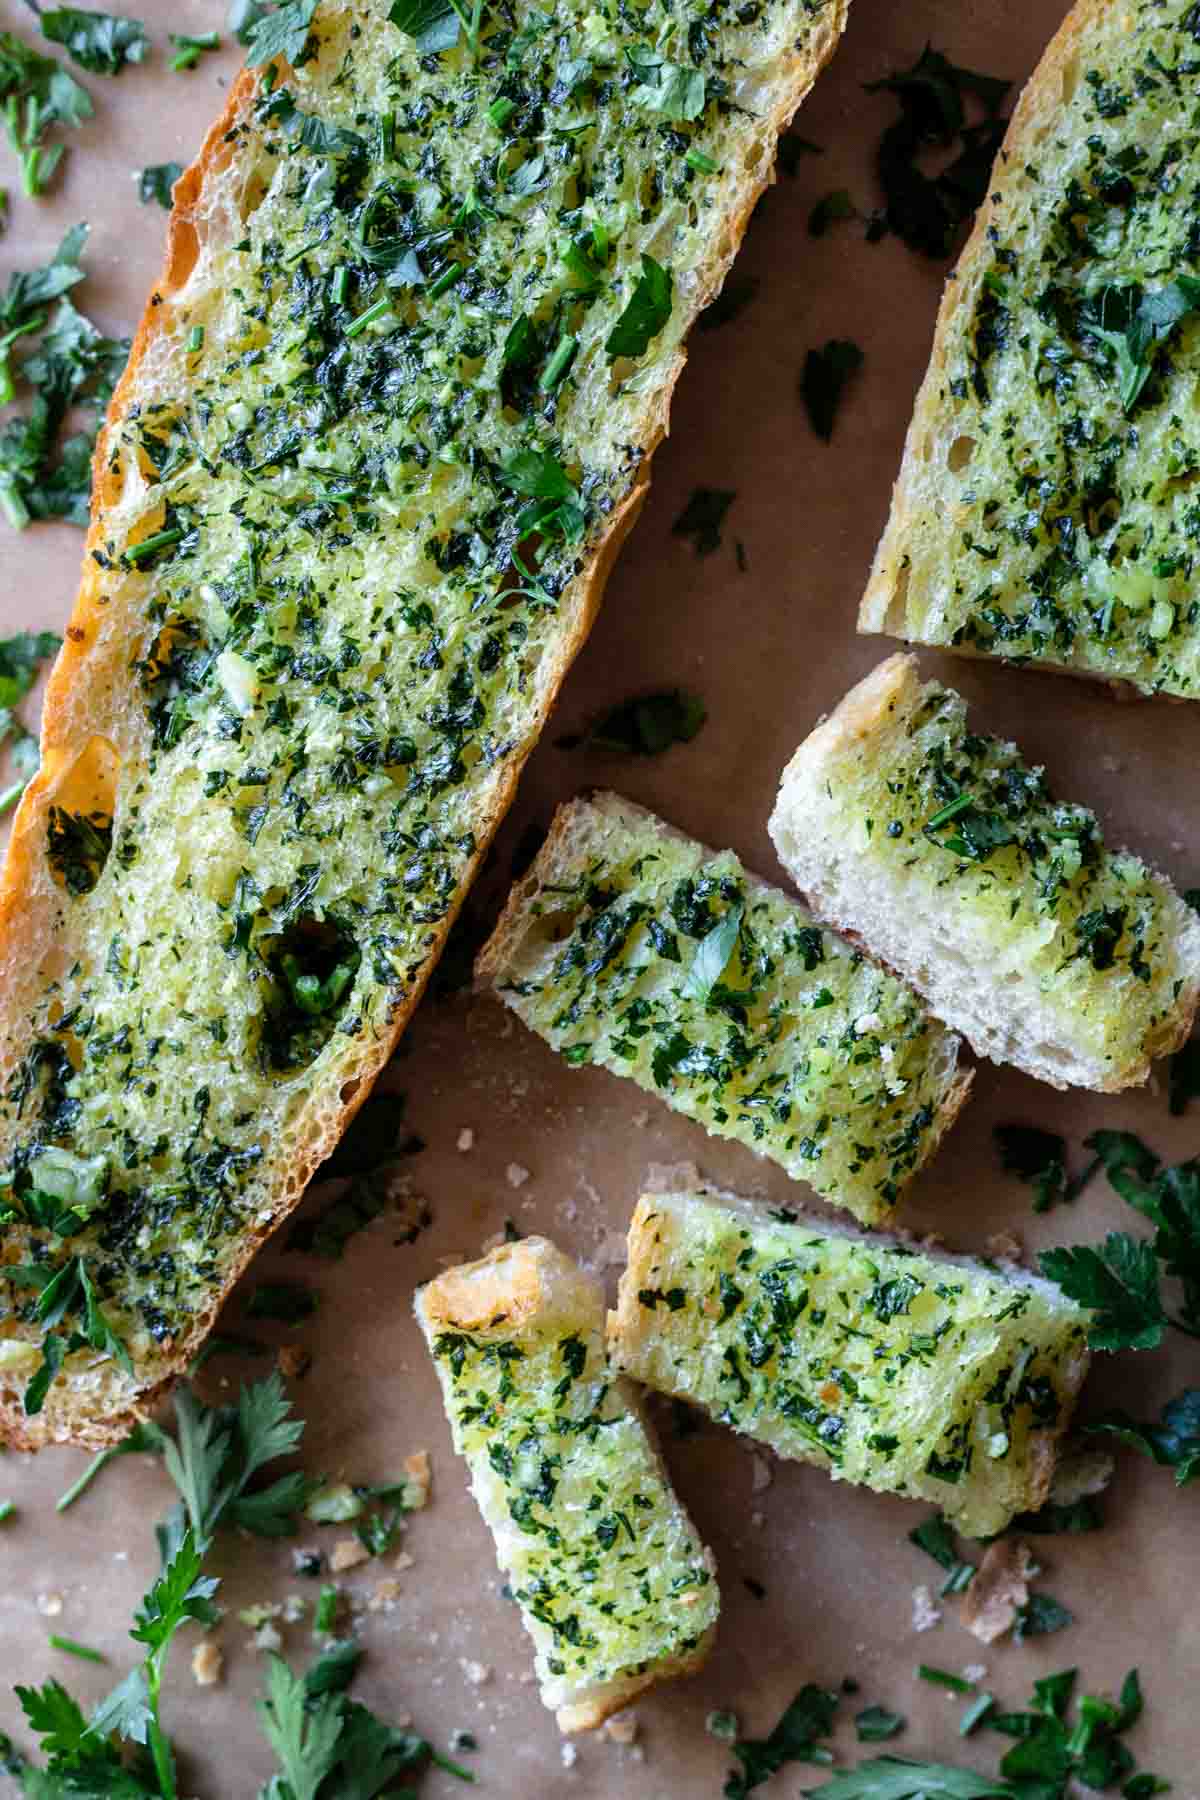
(951, 860)
(911, 1374)
(614, 1586)
(1045, 509)
(630, 946)
(387, 420)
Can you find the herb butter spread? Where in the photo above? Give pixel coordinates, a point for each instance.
(937, 1379)
(1048, 507)
(613, 1584)
(1032, 937)
(345, 520)
(631, 947)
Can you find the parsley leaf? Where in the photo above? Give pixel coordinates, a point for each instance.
(737, 291)
(39, 93)
(102, 43)
(302, 1730)
(643, 726)
(793, 1739)
(935, 1537)
(702, 518)
(712, 953)
(433, 25)
(824, 379)
(645, 314)
(1040, 1158)
(896, 1778)
(1174, 1443)
(1131, 323)
(1119, 1282)
(830, 209)
(21, 657)
(875, 1724)
(286, 1301)
(1039, 1617)
(675, 90)
(283, 32)
(156, 181)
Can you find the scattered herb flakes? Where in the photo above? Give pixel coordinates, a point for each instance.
(645, 314)
(1055, 1519)
(875, 1724)
(979, 1710)
(8, 1510)
(823, 382)
(735, 296)
(1040, 1159)
(925, 211)
(285, 1301)
(1174, 1443)
(702, 518)
(21, 659)
(942, 1678)
(793, 1739)
(189, 50)
(645, 725)
(829, 210)
(156, 181)
(1039, 1617)
(102, 43)
(38, 93)
(793, 149)
(1183, 1077)
(936, 1538)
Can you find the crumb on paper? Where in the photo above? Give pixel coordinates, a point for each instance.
(761, 1473)
(642, 1119)
(475, 1672)
(758, 1520)
(516, 1175)
(465, 1140)
(50, 1605)
(419, 1483)
(293, 1360)
(348, 1553)
(975, 1673)
(722, 1725)
(208, 1665)
(925, 1613)
(999, 1590)
(404, 1561)
(569, 1754)
(1080, 1473)
(622, 1728)
(1005, 1246)
(294, 1609)
(268, 1637)
(385, 1596)
(254, 1616)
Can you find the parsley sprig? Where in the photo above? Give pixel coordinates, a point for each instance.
(21, 658)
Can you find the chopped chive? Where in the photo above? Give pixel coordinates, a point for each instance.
(703, 165)
(85, 1480)
(943, 1678)
(446, 279)
(192, 48)
(387, 136)
(560, 362)
(959, 804)
(326, 1613)
(7, 1509)
(501, 111)
(195, 339)
(975, 1714)
(451, 1768)
(158, 540)
(378, 310)
(71, 1648)
(340, 284)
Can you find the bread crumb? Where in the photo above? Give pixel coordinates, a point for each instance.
(925, 1614)
(475, 1672)
(622, 1728)
(404, 1561)
(1000, 1588)
(208, 1665)
(516, 1175)
(385, 1596)
(50, 1605)
(641, 1119)
(975, 1673)
(1079, 1473)
(758, 1520)
(267, 1637)
(569, 1755)
(348, 1553)
(761, 1473)
(293, 1360)
(419, 1471)
(1005, 1246)
(465, 1140)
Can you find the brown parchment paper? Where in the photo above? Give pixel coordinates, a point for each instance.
(817, 1578)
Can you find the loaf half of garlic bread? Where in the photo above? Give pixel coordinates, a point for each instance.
(630, 946)
(614, 1586)
(1046, 507)
(387, 419)
(941, 1379)
(952, 860)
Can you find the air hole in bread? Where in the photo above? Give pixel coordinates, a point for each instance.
(959, 454)
(79, 821)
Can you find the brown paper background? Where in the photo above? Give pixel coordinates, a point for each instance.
(768, 650)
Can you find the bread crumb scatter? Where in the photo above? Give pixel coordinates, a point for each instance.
(476, 1673)
(208, 1665)
(999, 1590)
(348, 1553)
(925, 1614)
(465, 1140)
(516, 1175)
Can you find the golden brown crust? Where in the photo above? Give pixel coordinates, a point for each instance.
(28, 929)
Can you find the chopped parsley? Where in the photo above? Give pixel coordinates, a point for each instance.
(644, 725)
(831, 209)
(795, 1737)
(21, 657)
(875, 1724)
(936, 1538)
(824, 379)
(1040, 1159)
(102, 43)
(702, 518)
(38, 94)
(285, 1301)
(1174, 1443)
(156, 181)
(646, 312)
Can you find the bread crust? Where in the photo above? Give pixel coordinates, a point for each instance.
(883, 607)
(893, 687)
(107, 1410)
(503, 1293)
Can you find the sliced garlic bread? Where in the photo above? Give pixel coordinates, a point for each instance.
(630, 946)
(388, 418)
(911, 1374)
(615, 1588)
(952, 861)
(1046, 507)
